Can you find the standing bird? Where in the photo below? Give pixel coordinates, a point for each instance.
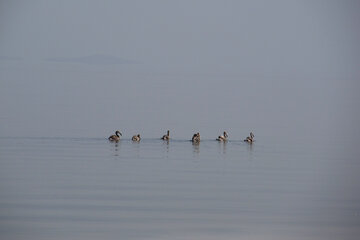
(223, 138)
(196, 138)
(116, 137)
(136, 138)
(250, 139)
(167, 136)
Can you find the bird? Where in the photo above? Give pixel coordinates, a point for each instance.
(167, 136)
(136, 138)
(196, 138)
(223, 138)
(116, 137)
(250, 139)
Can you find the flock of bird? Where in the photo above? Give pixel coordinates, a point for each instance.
(194, 139)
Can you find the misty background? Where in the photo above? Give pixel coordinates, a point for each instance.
(88, 68)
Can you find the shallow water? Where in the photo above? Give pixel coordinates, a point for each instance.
(89, 188)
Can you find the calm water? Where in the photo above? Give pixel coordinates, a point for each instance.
(89, 188)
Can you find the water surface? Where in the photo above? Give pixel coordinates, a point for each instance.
(89, 188)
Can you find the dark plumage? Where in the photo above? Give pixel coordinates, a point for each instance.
(223, 137)
(136, 138)
(167, 136)
(250, 139)
(196, 138)
(116, 137)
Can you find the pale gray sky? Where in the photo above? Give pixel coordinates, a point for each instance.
(86, 68)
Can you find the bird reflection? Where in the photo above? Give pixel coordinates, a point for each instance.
(250, 151)
(222, 146)
(115, 149)
(166, 143)
(196, 147)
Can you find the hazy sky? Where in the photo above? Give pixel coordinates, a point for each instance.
(87, 68)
